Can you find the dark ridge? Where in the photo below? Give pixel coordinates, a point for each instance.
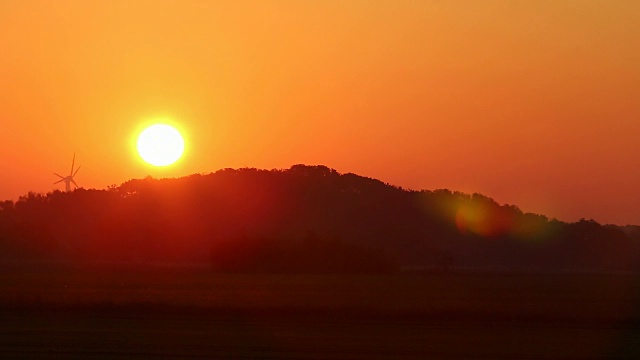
(308, 219)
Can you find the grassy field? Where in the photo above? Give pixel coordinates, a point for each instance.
(169, 313)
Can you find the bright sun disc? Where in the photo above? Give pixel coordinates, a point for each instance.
(160, 145)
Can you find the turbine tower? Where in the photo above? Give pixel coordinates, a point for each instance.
(69, 179)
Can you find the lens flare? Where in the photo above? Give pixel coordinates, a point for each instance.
(483, 220)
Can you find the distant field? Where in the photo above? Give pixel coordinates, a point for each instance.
(194, 313)
(535, 296)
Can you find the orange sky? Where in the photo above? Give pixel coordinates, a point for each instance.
(534, 103)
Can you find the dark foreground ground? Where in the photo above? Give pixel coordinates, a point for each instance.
(169, 314)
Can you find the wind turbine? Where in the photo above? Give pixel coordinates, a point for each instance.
(68, 179)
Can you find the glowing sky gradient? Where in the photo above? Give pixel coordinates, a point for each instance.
(534, 103)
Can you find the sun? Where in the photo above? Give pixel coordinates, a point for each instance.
(160, 145)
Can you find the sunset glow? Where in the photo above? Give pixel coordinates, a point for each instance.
(320, 179)
(532, 103)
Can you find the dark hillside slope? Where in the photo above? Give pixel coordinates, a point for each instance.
(282, 212)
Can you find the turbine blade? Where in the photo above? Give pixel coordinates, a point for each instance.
(73, 162)
(74, 183)
(60, 176)
(59, 181)
(74, 174)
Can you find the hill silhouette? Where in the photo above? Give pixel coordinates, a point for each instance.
(302, 219)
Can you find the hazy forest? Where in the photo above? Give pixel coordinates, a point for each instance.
(307, 219)
(308, 263)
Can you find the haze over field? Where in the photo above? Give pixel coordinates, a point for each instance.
(533, 103)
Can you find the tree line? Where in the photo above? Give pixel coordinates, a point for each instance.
(305, 218)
